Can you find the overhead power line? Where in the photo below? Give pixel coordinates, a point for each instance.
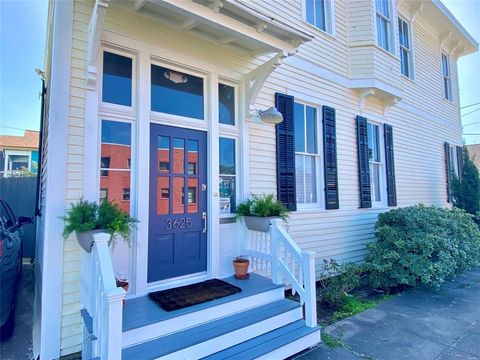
(467, 106)
(471, 112)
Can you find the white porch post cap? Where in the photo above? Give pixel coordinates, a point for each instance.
(101, 238)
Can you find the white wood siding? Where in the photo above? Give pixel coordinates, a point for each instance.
(420, 127)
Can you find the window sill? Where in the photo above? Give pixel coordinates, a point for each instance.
(407, 78)
(326, 33)
(387, 52)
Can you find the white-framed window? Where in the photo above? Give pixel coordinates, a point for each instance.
(406, 53)
(453, 160)
(177, 92)
(115, 162)
(376, 161)
(228, 175)
(384, 24)
(319, 13)
(118, 79)
(307, 156)
(446, 76)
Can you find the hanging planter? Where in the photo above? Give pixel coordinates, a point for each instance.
(87, 218)
(258, 211)
(257, 223)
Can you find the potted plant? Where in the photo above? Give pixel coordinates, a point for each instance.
(87, 218)
(259, 210)
(122, 282)
(240, 264)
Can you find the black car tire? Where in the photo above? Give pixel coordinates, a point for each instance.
(6, 331)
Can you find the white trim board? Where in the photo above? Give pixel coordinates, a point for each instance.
(52, 261)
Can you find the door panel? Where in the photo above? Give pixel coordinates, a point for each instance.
(177, 242)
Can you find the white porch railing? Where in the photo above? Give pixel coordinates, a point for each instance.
(101, 303)
(277, 255)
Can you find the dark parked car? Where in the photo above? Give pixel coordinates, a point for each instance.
(10, 265)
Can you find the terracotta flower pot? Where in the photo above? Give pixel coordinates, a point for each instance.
(241, 268)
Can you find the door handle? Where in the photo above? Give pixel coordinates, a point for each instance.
(204, 219)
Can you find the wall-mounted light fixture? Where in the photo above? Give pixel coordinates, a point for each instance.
(271, 116)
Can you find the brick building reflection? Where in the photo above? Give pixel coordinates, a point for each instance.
(115, 174)
(181, 171)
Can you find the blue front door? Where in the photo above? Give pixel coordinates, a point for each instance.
(177, 243)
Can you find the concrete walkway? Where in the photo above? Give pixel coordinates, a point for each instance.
(417, 324)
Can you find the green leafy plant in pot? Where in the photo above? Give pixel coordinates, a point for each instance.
(86, 218)
(259, 210)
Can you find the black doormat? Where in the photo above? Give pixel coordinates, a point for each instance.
(181, 297)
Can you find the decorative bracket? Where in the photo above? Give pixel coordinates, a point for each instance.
(256, 78)
(417, 11)
(459, 47)
(444, 37)
(94, 38)
(389, 103)
(364, 94)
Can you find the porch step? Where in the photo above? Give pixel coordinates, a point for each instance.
(277, 344)
(144, 320)
(215, 336)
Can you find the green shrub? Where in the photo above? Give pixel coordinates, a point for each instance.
(262, 206)
(422, 245)
(337, 280)
(466, 190)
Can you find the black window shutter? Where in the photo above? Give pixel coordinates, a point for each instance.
(390, 165)
(285, 138)
(330, 158)
(448, 167)
(363, 163)
(460, 161)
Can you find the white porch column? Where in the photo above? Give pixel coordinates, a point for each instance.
(213, 177)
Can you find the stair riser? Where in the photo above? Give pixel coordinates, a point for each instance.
(182, 322)
(235, 337)
(293, 348)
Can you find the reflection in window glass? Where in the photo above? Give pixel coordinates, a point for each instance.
(178, 156)
(114, 163)
(315, 13)
(163, 195)
(178, 195)
(226, 108)
(163, 153)
(192, 195)
(299, 122)
(373, 135)
(176, 93)
(117, 79)
(227, 176)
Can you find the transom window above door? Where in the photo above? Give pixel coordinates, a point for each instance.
(177, 93)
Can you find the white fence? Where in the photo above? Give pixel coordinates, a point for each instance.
(101, 302)
(277, 255)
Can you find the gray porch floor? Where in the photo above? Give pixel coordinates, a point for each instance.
(418, 324)
(143, 311)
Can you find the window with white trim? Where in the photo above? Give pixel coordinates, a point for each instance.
(307, 155)
(446, 74)
(405, 41)
(376, 163)
(115, 172)
(453, 160)
(384, 24)
(227, 173)
(319, 13)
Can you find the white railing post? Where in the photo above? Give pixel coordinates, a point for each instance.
(108, 316)
(114, 322)
(310, 288)
(274, 246)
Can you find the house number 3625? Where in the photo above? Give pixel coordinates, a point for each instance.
(181, 223)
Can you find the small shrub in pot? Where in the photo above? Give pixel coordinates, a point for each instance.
(259, 210)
